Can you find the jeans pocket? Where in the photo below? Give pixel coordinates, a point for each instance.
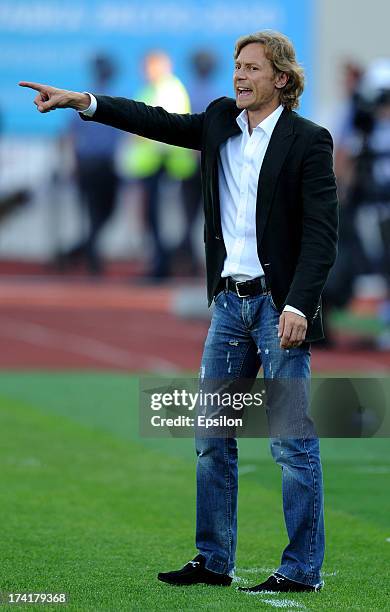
(218, 295)
(272, 303)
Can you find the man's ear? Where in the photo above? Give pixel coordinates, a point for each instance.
(281, 80)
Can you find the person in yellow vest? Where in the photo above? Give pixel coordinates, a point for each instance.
(150, 161)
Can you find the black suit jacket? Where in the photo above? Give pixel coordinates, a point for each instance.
(297, 207)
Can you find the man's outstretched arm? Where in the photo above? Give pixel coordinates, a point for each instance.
(135, 117)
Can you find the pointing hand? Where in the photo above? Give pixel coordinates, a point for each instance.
(50, 98)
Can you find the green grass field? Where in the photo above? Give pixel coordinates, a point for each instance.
(90, 509)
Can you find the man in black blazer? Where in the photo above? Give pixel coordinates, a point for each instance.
(270, 236)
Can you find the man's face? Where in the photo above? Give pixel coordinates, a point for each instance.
(255, 83)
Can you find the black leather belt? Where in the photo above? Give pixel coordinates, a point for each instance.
(249, 288)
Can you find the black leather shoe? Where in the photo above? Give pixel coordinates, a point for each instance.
(279, 584)
(194, 572)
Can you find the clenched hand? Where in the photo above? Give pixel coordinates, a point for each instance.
(292, 329)
(49, 98)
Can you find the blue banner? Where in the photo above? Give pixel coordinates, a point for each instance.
(52, 42)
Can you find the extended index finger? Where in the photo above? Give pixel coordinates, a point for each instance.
(36, 86)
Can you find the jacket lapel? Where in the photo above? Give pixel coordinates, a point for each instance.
(279, 145)
(226, 127)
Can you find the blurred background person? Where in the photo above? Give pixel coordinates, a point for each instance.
(94, 148)
(11, 200)
(152, 163)
(202, 90)
(345, 128)
(339, 287)
(370, 184)
(363, 173)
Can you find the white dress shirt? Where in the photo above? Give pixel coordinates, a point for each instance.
(241, 158)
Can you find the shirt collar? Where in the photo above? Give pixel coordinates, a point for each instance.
(267, 125)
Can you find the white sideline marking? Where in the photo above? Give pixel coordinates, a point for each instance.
(283, 603)
(387, 539)
(246, 469)
(24, 461)
(242, 580)
(374, 469)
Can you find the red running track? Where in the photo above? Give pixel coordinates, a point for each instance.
(51, 324)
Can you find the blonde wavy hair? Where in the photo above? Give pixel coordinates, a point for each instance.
(280, 51)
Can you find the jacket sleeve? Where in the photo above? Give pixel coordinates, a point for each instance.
(319, 226)
(149, 121)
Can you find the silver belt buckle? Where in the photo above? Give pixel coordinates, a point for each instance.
(238, 289)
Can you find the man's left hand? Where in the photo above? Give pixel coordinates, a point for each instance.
(292, 330)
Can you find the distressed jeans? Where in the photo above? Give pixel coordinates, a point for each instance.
(243, 336)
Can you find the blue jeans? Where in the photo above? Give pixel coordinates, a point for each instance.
(243, 336)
